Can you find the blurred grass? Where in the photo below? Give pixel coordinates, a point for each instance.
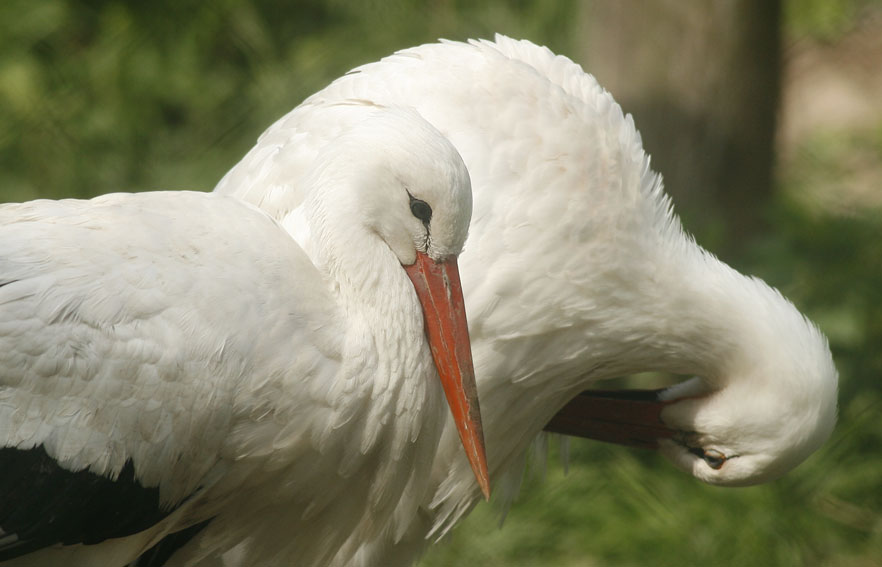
(99, 96)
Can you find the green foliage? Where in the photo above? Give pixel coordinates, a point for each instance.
(108, 95)
(826, 20)
(101, 96)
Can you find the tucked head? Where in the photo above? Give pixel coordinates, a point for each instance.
(769, 404)
(764, 420)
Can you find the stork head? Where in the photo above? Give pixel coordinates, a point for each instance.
(394, 178)
(764, 406)
(761, 423)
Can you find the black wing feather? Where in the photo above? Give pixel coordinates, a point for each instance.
(43, 504)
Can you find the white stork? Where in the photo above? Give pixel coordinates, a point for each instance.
(576, 270)
(175, 361)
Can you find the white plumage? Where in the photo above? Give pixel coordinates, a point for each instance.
(575, 270)
(182, 347)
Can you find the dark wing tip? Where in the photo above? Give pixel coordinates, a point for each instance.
(43, 504)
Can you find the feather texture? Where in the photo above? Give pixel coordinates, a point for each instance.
(180, 357)
(576, 270)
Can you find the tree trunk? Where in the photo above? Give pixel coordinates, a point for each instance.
(702, 81)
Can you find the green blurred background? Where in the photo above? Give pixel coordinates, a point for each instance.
(765, 119)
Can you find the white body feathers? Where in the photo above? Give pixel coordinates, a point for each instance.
(286, 397)
(575, 270)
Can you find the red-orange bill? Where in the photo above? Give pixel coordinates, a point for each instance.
(625, 417)
(440, 293)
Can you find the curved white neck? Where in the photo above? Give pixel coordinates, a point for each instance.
(674, 308)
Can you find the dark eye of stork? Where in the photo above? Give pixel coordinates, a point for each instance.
(420, 209)
(712, 457)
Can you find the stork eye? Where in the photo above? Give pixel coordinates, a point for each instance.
(420, 209)
(714, 459)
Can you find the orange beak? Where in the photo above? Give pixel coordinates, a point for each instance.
(440, 293)
(624, 417)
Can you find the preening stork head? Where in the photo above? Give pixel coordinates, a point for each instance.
(764, 399)
(766, 411)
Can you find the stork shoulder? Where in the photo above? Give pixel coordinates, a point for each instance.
(133, 329)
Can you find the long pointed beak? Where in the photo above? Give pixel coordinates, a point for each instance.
(440, 293)
(625, 417)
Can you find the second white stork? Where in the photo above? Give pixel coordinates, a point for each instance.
(175, 361)
(576, 270)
